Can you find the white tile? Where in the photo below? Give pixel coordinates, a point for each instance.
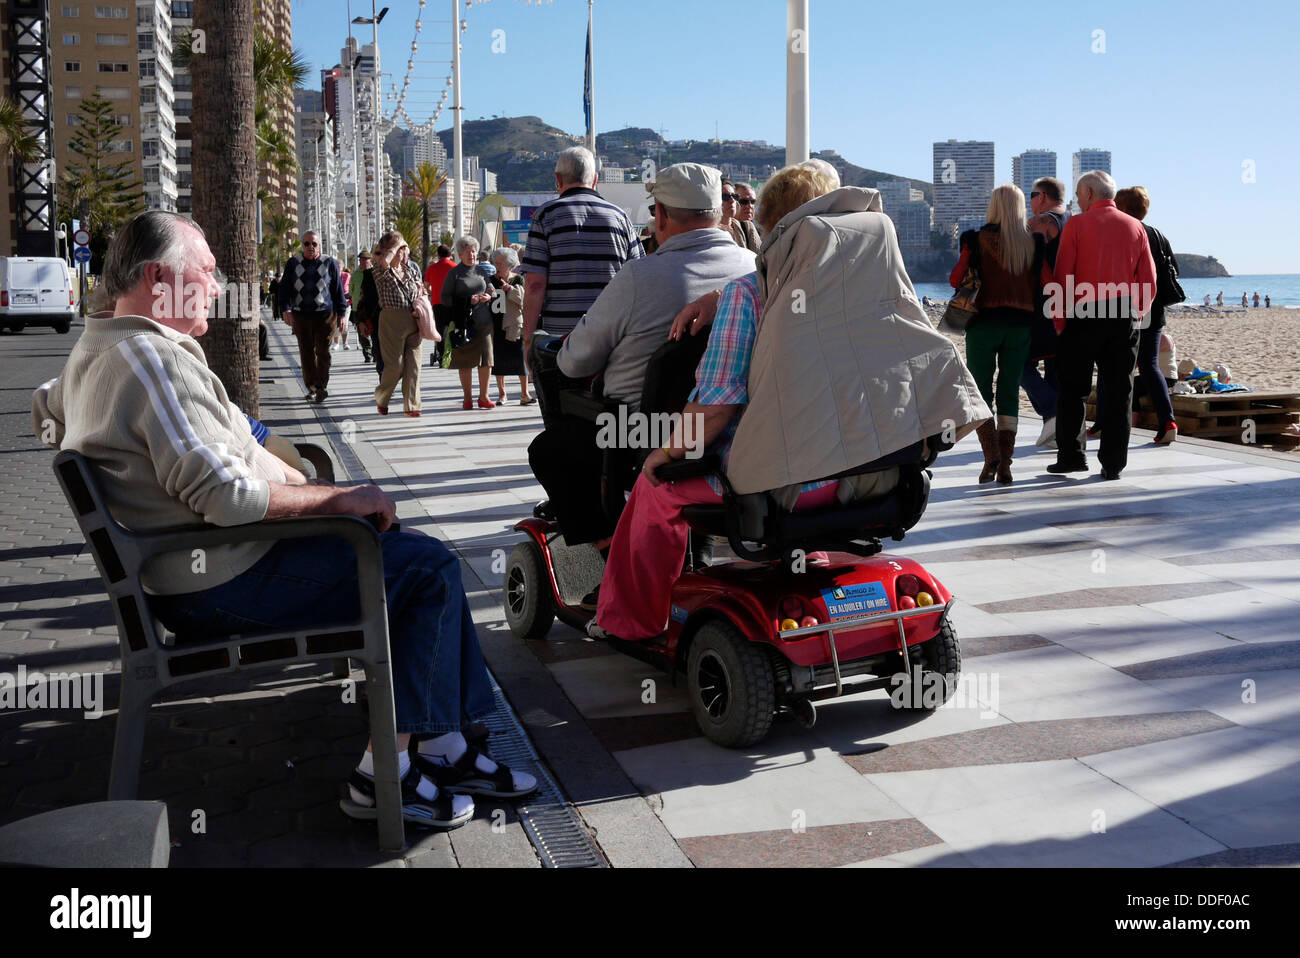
(1242, 786)
(709, 790)
(1043, 814)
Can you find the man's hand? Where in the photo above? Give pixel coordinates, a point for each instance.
(653, 462)
(696, 316)
(288, 318)
(370, 500)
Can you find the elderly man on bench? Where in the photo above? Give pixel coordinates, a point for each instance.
(138, 400)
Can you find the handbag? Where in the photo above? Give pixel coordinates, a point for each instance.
(424, 320)
(962, 308)
(1168, 290)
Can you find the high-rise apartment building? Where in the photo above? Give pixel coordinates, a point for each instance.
(1087, 160)
(912, 223)
(314, 143)
(354, 123)
(123, 51)
(963, 183)
(1032, 165)
(895, 194)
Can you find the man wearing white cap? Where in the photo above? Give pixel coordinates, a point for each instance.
(628, 322)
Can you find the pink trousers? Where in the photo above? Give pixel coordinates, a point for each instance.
(649, 549)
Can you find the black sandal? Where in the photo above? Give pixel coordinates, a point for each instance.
(416, 809)
(464, 777)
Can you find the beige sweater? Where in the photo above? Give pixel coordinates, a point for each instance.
(169, 447)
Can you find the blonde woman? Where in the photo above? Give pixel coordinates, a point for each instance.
(1010, 263)
(399, 287)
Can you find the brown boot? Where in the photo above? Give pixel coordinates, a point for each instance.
(988, 435)
(1006, 452)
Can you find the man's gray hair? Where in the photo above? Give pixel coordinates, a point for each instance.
(1100, 182)
(508, 254)
(465, 242)
(151, 237)
(576, 167)
(681, 215)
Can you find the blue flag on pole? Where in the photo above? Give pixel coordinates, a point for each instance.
(586, 87)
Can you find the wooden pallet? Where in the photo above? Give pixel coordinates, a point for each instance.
(1224, 416)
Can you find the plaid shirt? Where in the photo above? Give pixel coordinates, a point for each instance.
(722, 378)
(398, 288)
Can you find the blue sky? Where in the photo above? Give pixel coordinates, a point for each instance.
(1183, 96)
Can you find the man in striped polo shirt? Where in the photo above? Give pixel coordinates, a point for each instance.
(577, 243)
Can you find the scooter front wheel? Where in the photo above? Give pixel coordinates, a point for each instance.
(529, 605)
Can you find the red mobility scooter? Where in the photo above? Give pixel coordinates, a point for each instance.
(773, 631)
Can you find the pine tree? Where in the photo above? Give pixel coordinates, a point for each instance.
(98, 181)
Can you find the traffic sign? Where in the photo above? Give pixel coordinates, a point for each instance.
(81, 238)
(81, 254)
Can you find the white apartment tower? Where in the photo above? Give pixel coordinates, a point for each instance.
(963, 183)
(1032, 165)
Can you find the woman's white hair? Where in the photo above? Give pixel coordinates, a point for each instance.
(465, 242)
(508, 254)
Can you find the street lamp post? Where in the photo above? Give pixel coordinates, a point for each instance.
(797, 57)
(356, 174)
(374, 20)
(458, 214)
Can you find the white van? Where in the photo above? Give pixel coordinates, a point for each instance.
(35, 291)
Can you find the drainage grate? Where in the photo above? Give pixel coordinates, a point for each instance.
(551, 824)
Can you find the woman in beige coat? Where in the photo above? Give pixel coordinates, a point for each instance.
(399, 287)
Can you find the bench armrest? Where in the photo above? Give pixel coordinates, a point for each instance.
(359, 533)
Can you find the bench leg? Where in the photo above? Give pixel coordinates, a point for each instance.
(342, 668)
(383, 736)
(128, 741)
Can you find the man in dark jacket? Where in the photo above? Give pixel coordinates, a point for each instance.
(311, 301)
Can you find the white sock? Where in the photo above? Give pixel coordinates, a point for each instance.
(367, 764)
(446, 749)
(426, 789)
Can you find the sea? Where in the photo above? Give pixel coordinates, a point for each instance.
(1282, 288)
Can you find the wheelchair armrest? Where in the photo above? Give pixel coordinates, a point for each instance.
(681, 469)
(586, 406)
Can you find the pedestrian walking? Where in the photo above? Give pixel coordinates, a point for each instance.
(311, 301)
(1102, 250)
(465, 294)
(1010, 262)
(508, 324)
(399, 287)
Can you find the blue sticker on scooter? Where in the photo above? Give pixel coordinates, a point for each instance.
(854, 599)
(677, 614)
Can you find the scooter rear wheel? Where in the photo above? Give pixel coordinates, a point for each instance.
(530, 607)
(937, 675)
(733, 693)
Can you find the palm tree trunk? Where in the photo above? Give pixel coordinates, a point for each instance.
(225, 186)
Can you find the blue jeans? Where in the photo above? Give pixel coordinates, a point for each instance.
(1041, 389)
(439, 678)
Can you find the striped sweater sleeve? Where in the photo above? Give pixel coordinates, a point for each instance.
(193, 442)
